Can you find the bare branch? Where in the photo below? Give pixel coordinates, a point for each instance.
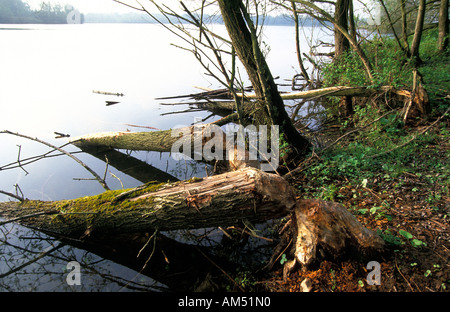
(12, 195)
(100, 180)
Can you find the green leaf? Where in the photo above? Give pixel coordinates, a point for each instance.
(405, 234)
(283, 259)
(418, 243)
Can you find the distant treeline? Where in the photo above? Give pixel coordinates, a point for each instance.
(139, 17)
(18, 12)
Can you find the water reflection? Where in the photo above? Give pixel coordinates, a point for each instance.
(33, 261)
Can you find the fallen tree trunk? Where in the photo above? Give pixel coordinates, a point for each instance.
(330, 91)
(302, 95)
(308, 94)
(157, 141)
(221, 200)
(318, 229)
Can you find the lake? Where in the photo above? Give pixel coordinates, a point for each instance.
(47, 78)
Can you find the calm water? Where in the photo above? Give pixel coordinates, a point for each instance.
(47, 75)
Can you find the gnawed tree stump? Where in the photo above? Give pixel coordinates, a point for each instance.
(325, 230)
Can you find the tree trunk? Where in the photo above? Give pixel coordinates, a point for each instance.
(443, 26)
(243, 36)
(330, 91)
(341, 43)
(220, 200)
(418, 32)
(351, 20)
(319, 229)
(158, 141)
(404, 27)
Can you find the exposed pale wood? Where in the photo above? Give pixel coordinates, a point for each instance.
(324, 229)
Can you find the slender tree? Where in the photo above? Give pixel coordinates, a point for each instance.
(443, 26)
(341, 14)
(418, 32)
(404, 26)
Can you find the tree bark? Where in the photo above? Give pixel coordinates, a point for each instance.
(221, 200)
(443, 26)
(404, 27)
(351, 20)
(341, 43)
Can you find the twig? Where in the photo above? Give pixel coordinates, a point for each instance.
(249, 232)
(153, 251)
(147, 127)
(28, 216)
(106, 168)
(32, 159)
(102, 182)
(12, 195)
(18, 159)
(398, 269)
(43, 254)
(225, 232)
(217, 266)
(17, 187)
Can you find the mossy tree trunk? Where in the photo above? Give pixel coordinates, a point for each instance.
(220, 200)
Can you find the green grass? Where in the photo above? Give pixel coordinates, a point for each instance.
(352, 162)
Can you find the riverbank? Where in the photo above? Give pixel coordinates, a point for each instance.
(395, 179)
